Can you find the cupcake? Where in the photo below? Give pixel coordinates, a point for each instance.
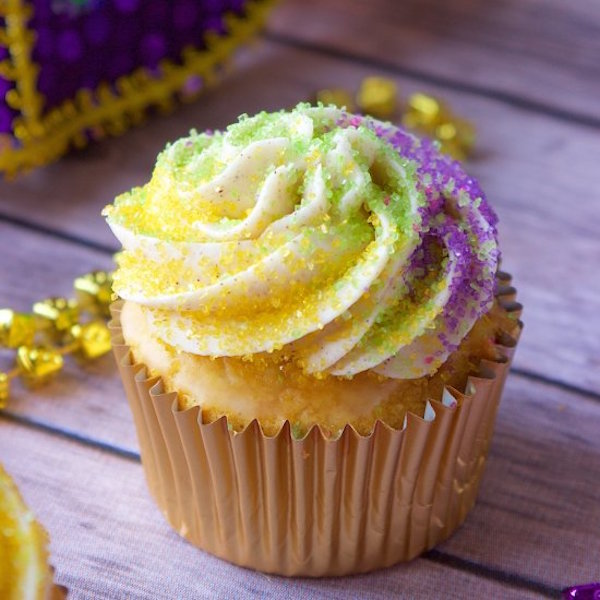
(24, 570)
(313, 335)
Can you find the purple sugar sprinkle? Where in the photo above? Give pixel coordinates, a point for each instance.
(442, 179)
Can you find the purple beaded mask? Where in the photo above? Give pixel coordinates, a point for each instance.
(68, 58)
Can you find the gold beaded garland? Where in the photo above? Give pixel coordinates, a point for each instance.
(338, 97)
(59, 313)
(426, 114)
(54, 329)
(431, 116)
(15, 328)
(94, 292)
(4, 389)
(377, 96)
(93, 339)
(38, 364)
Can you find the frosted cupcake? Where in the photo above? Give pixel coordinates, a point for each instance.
(319, 277)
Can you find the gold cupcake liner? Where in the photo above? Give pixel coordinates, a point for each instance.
(317, 506)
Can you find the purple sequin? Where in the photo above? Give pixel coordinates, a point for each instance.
(7, 114)
(105, 39)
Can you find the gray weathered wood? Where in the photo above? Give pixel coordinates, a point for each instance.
(538, 173)
(539, 505)
(110, 541)
(545, 52)
(537, 500)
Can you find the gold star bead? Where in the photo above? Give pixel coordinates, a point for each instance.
(94, 292)
(466, 133)
(60, 313)
(93, 339)
(432, 117)
(4, 389)
(16, 329)
(423, 112)
(38, 364)
(377, 96)
(338, 97)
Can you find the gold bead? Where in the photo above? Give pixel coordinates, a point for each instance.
(433, 118)
(93, 338)
(457, 137)
(94, 292)
(38, 363)
(447, 134)
(466, 133)
(423, 112)
(4, 389)
(61, 313)
(338, 97)
(377, 96)
(16, 329)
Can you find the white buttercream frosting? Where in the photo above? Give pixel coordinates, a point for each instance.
(294, 232)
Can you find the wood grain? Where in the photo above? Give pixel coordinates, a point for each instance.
(84, 398)
(109, 541)
(536, 506)
(538, 511)
(537, 172)
(542, 51)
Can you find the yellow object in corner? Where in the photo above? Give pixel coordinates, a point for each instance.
(24, 570)
(378, 96)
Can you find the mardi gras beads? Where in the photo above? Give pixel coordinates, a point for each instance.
(337, 96)
(423, 113)
(16, 328)
(4, 389)
(55, 328)
(430, 116)
(94, 292)
(377, 96)
(38, 364)
(91, 340)
(57, 314)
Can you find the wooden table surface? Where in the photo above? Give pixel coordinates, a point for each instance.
(528, 73)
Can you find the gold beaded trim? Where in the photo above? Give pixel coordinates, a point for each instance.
(43, 138)
(19, 68)
(57, 327)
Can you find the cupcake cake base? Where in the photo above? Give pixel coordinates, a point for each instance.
(317, 506)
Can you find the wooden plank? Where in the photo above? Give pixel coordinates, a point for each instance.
(546, 52)
(544, 455)
(538, 511)
(108, 540)
(536, 172)
(84, 398)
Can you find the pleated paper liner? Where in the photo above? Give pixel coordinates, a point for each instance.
(317, 506)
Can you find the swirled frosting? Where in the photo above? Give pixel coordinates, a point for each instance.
(337, 241)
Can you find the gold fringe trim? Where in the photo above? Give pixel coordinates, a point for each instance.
(104, 112)
(18, 67)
